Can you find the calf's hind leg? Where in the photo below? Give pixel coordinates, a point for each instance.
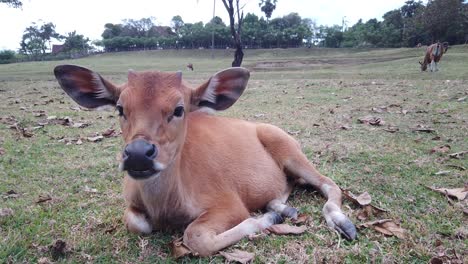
(287, 153)
(279, 205)
(223, 226)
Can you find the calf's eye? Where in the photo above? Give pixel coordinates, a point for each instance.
(179, 111)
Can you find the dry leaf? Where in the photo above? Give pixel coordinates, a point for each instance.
(89, 190)
(364, 199)
(459, 193)
(386, 227)
(379, 109)
(238, 255)
(2, 151)
(6, 212)
(80, 125)
(178, 249)
(391, 129)
(11, 194)
(285, 229)
(350, 196)
(43, 198)
(58, 248)
(108, 133)
(440, 149)
(458, 155)
(371, 120)
(365, 213)
(95, 139)
(420, 128)
(301, 219)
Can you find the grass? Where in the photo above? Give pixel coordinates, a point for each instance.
(311, 93)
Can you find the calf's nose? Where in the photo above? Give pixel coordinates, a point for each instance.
(139, 155)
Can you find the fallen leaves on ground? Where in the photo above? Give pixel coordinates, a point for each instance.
(110, 132)
(442, 257)
(238, 256)
(179, 249)
(379, 109)
(458, 155)
(285, 229)
(459, 193)
(391, 129)
(95, 138)
(371, 120)
(441, 149)
(10, 194)
(58, 249)
(89, 190)
(301, 219)
(385, 226)
(43, 198)
(21, 130)
(6, 212)
(421, 128)
(364, 200)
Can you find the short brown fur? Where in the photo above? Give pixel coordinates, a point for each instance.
(217, 170)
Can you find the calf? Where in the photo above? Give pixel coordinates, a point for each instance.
(433, 55)
(188, 168)
(190, 66)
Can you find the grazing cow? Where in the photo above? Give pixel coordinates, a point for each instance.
(190, 66)
(433, 55)
(188, 168)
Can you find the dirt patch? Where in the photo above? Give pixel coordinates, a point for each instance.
(317, 63)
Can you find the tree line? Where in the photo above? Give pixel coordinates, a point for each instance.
(407, 26)
(287, 31)
(412, 24)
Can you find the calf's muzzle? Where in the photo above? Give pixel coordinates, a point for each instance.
(138, 159)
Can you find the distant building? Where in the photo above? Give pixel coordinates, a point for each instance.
(57, 48)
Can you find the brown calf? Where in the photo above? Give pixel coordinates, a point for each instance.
(187, 168)
(190, 66)
(433, 55)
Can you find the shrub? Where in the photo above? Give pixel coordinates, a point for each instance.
(7, 56)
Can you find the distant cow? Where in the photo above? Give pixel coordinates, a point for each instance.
(190, 66)
(433, 55)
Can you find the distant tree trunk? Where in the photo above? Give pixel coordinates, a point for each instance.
(236, 32)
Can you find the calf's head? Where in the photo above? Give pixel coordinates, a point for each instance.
(153, 108)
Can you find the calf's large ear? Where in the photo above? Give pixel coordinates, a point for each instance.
(86, 87)
(222, 90)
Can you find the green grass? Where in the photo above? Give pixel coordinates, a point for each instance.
(311, 92)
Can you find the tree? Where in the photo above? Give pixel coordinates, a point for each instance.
(442, 20)
(236, 32)
(35, 39)
(76, 43)
(12, 3)
(177, 23)
(7, 56)
(267, 7)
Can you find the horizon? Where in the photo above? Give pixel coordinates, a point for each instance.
(328, 13)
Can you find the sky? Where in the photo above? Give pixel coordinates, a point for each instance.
(88, 17)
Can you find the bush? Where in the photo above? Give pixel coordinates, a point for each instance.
(7, 56)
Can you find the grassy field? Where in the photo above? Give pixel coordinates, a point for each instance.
(60, 194)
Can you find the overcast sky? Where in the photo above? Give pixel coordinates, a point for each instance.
(88, 17)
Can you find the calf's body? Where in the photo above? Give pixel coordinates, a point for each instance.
(187, 168)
